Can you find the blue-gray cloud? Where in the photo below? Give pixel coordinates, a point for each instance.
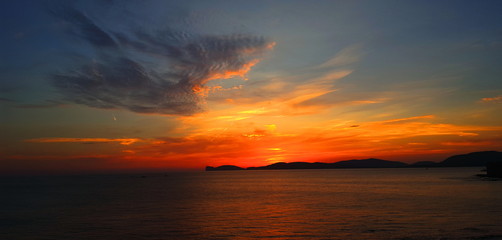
(84, 27)
(117, 78)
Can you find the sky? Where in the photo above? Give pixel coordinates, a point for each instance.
(90, 86)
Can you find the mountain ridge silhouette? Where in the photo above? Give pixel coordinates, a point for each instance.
(472, 159)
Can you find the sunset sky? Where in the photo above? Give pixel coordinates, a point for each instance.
(178, 85)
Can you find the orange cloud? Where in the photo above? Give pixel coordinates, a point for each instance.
(234, 73)
(259, 141)
(285, 119)
(329, 141)
(480, 143)
(284, 94)
(416, 126)
(202, 90)
(408, 119)
(497, 99)
(123, 141)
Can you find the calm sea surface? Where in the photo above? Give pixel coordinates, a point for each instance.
(446, 203)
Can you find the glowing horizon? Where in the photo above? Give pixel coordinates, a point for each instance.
(248, 85)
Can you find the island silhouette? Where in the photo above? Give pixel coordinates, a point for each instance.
(491, 159)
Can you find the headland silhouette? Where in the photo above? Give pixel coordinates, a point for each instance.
(491, 159)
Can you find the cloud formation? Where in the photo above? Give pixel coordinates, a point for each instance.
(495, 99)
(162, 71)
(304, 91)
(123, 141)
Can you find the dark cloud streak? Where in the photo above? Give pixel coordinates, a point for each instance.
(6, 100)
(118, 79)
(84, 27)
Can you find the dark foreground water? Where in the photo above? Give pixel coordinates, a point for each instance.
(283, 204)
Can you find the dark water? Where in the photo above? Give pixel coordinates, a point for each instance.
(285, 204)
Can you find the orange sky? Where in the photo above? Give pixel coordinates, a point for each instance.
(240, 129)
(247, 91)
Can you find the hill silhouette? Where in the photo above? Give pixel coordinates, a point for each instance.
(472, 159)
(425, 164)
(369, 163)
(465, 160)
(293, 165)
(224, 167)
(362, 163)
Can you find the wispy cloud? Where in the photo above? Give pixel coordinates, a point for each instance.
(123, 141)
(346, 56)
(120, 78)
(46, 104)
(217, 142)
(400, 120)
(84, 27)
(496, 99)
(300, 92)
(254, 145)
(468, 144)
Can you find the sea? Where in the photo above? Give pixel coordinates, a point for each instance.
(401, 203)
